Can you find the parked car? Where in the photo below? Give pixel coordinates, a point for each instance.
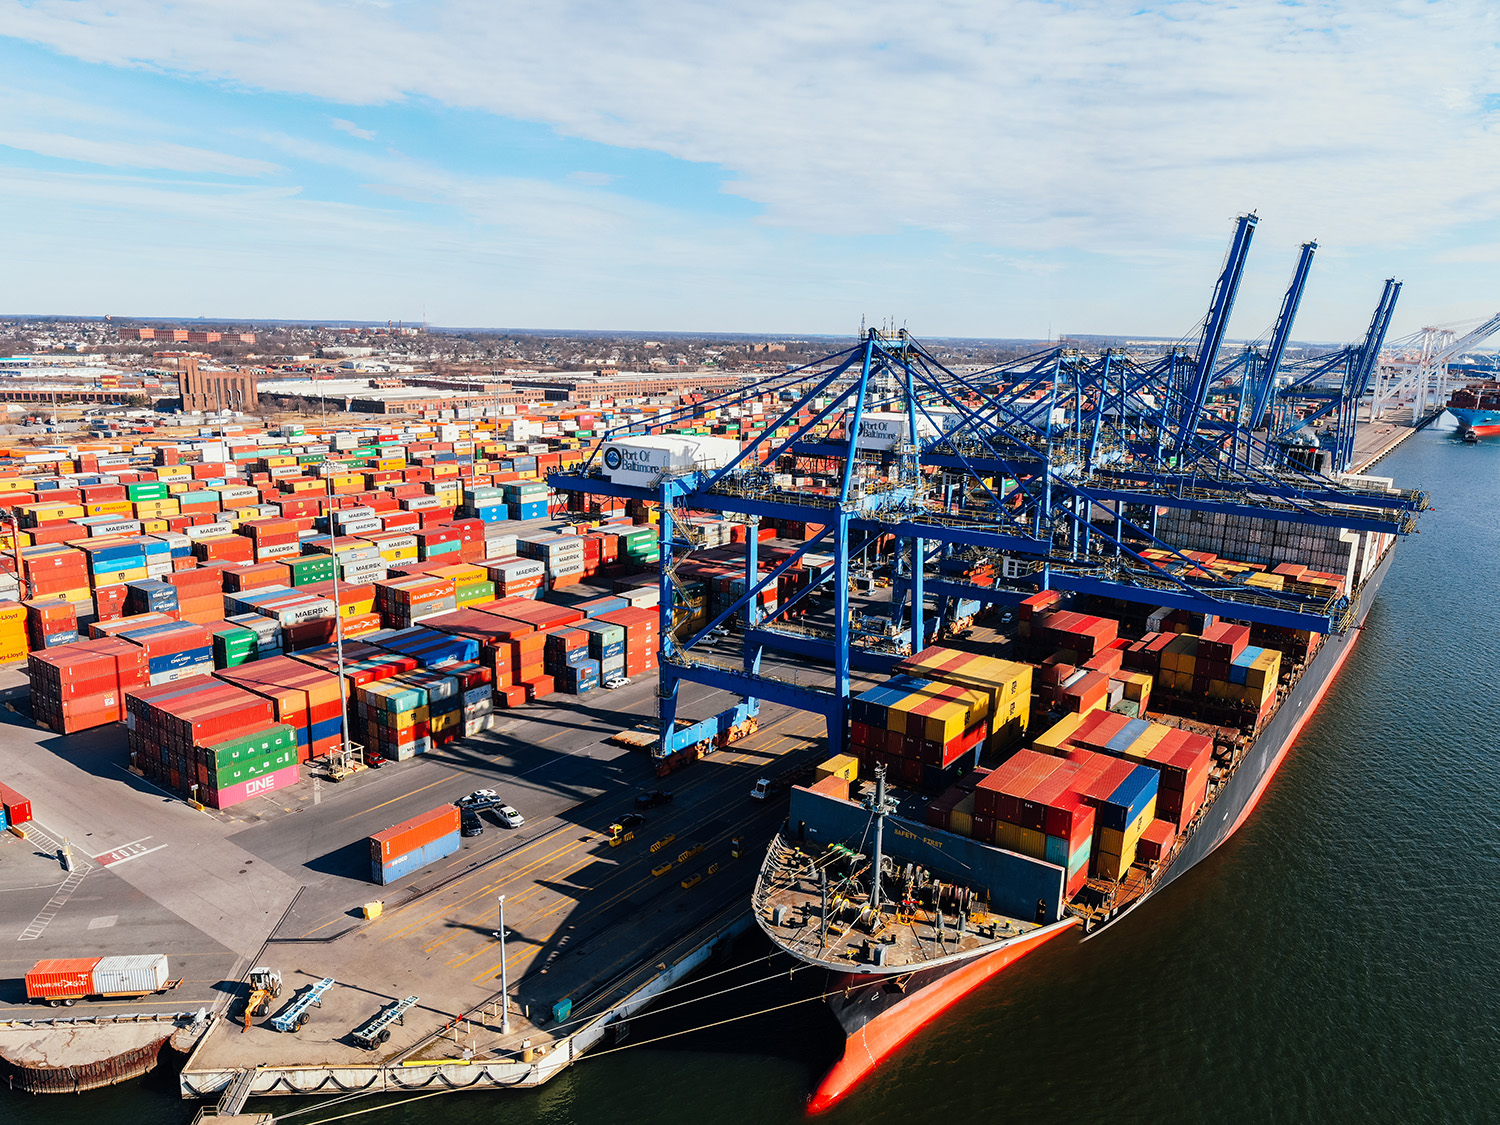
(652, 798)
(469, 823)
(616, 682)
(509, 817)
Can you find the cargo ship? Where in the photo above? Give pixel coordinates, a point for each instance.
(991, 871)
(1477, 410)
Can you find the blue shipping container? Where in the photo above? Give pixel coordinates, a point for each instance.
(399, 866)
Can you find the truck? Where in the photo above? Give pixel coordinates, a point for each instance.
(768, 787)
(67, 980)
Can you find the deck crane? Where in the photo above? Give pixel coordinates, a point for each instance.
(1015, 465)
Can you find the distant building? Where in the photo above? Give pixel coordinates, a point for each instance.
(587, 388)
(186, 336)
(215, 389)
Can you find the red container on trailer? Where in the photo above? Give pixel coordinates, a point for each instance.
(61, 978)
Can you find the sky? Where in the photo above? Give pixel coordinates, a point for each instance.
(1005, 168)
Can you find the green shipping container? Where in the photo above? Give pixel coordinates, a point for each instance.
(148, 490)
(236, 772)
(251, 747)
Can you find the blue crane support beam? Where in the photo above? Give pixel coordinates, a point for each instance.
(1216, 326)
(1274, 354)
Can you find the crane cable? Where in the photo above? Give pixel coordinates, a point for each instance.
(653, 1011)
(590, 1055)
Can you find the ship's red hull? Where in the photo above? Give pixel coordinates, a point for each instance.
(881, 1036)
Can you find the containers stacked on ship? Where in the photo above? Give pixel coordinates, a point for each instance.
(924, 732)
(1032, 804)
(1006, 684)
(182, 736)
(1183, 759)
(413, 844)
(83, 685)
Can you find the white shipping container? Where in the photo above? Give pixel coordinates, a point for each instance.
(208, 531)
(130, 975)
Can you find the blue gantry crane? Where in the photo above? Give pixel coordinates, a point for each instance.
(1057, 467)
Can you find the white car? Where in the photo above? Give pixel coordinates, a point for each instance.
(616, 682)
(509, 817)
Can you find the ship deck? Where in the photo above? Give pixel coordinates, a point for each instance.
(851, 937)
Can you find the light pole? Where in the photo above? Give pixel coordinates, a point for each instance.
(504, 979)
(338, 624)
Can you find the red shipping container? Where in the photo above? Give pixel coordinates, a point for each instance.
(17, 807)
(61, 977)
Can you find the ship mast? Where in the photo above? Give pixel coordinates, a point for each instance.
(881, 806)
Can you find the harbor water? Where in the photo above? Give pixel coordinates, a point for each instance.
(1334, 962)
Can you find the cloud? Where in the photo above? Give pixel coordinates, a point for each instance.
(593, 179)
(133, 154)
(352, 129)
(1017, 123)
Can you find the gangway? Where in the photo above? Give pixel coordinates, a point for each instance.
(378, 1030)
(294, 1015)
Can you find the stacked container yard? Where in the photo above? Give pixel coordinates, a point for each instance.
(175, 651)
(13, 639)
(211, 739)
(304, 698)
(83, 685)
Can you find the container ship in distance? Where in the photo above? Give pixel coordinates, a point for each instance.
(1163, 729)
(1477, 410)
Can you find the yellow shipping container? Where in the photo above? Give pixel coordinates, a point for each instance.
(961, 818)
(1051, 741)
(845, 766)
(1027, 841)
(148, 509)
(15, 484)
(47, 513)
(174, 472)
(12, 614)
(152, 526)
(1113, 866)
(1123, 843)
